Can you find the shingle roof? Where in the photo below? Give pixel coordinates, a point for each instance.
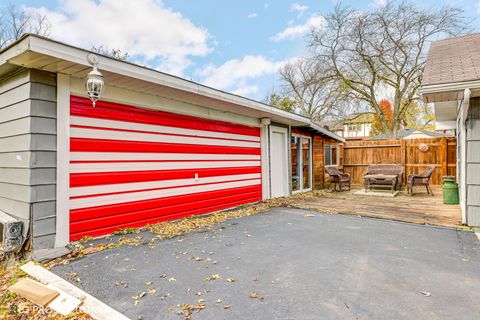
(453, 60)
(402, 133)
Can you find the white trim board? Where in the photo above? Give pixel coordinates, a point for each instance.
(62, 236)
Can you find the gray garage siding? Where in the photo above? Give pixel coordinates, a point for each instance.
(28, 152)
(473, 163)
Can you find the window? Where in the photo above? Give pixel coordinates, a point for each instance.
(354, 127)
(331, 155)
(301, 147)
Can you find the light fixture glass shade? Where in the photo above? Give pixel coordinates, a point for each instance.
(95, 85)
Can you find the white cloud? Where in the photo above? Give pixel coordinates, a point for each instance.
(252, 15)
(146, 29)
(246, 90)
(379, 3)
(299, 8)
(234, 75)
(295, 31)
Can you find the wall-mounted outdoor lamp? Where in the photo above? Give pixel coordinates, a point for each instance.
(94, 83)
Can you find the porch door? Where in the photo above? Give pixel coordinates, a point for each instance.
(278, 162)
(301, 147)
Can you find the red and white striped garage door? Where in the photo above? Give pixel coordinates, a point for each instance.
(131, 167)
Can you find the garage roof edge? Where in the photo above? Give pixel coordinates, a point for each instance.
(59, 50)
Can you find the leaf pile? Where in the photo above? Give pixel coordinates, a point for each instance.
(170, 229)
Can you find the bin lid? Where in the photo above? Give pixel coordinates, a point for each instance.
(449, 179)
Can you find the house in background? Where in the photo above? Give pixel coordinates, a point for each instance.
(355, 127)
(155, 147)
(409, 133)
(451, 81)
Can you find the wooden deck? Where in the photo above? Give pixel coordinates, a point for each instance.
(420, 208)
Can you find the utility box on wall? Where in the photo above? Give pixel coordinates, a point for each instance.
(11, 231)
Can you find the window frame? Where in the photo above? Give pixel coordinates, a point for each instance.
(337, 160)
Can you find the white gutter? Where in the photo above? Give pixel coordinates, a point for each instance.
(466, 104)
(446, 87)
(463, 157)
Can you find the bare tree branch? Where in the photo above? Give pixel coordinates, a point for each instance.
(382, 49)
(14, 23)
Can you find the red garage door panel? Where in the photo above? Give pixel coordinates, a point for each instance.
(130, 167)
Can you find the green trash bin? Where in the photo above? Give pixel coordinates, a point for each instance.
(450, 190)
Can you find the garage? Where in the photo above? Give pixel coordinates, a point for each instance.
(156, 147)
(131, 167)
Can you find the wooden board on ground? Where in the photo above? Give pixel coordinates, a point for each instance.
(34, 291)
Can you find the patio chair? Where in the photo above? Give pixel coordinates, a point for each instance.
(422, 179)
(338, 177)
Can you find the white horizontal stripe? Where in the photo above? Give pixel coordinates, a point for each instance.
(154, 194)
(142, 166)
(138, 156)
(153, 137)
(122, 187)
(125, 125)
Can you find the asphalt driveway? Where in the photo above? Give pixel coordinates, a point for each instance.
(292, 264)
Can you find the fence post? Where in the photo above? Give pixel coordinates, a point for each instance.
(403, 157)
(444, 157)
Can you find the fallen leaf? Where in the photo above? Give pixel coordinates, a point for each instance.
(212, 277)
(253, 295)
(148, 283)
(172, 279)
(218, 301)
(227, 306)
(151, 291)
(308, 215)
(426, 294)
(231, 280)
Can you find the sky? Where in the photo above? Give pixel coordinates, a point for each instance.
(235, 46)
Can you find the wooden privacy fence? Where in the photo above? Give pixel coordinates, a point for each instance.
(414, 155)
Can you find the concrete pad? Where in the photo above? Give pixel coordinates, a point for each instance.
(376, 193)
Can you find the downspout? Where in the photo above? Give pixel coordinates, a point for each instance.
(463, 160)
